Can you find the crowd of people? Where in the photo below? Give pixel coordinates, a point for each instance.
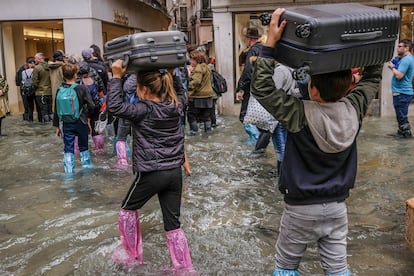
(304, 119)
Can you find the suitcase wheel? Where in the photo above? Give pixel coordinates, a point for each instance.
(303, 30)
(301, 73)
(265, 18)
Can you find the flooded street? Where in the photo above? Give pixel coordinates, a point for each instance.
(53, 225)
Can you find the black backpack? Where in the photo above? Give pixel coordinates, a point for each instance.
(219, 83)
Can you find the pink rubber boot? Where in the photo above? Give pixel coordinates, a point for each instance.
(76, 146)
(130, 233)
(178, 248)
(99, 142)
(121, 153)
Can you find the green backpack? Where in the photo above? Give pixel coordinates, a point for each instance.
(67, 104)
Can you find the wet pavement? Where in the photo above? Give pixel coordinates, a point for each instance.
(54, 225)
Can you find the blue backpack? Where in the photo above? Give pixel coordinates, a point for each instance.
(67, 104)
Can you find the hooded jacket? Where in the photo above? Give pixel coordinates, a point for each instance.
(41, 79)
(320, 161)
(56, 75)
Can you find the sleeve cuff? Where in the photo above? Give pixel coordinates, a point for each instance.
(267, 52)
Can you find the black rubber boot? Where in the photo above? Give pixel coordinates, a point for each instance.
(278, 167)
(193, 128)
(207, 126)
(263, 141)
(405, 131)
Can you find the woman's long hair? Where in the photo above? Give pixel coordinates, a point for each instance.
(160, 83)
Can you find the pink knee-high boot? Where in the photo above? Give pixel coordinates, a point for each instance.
(76, 146)
(99, 142)
(131, 239)
(121, 153)
(178, 248)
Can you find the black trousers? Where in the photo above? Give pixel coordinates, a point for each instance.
(28, 103)
(167, 184)
(44, 106)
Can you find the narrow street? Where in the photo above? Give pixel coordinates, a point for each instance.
(53, 225)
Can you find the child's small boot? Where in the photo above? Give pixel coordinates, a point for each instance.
(85, 158)
(76, 146)
(69, 162)
(121, 153)
(178, 248)
(99, 142)
(130, 233)
(285, 272)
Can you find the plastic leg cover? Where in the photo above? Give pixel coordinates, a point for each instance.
(121, 153)
(179, 251)
(285, 272)
(85, 158)
(69, 162)
(130, 233)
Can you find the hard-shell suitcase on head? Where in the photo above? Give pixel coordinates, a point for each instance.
(332, 37)
(148, 50)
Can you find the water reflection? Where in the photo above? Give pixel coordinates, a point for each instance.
(55, 225)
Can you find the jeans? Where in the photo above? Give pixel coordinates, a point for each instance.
(279, 140)
(325, 224)
(70, 130)
(401, 103)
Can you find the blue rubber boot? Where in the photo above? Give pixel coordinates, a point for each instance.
(69, 162)
(285, 272)
(346, 273)
(85, 158)
(252, 132)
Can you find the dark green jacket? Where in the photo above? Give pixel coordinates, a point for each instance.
(41, 79)
(320, 161)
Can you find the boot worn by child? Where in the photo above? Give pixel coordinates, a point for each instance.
(179, 252)
(99, 142)
(131, 239)
(121, 152)
(85, 158)
(69, 162)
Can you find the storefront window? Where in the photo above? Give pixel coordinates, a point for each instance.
(407, 22)
(43, 36)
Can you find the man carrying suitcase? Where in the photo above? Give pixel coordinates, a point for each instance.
(321, 148)
(401, 86)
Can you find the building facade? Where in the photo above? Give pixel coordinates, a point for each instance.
(216, 26)
(28, 27)
(231, 18)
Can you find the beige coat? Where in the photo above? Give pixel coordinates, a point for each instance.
(200, 82)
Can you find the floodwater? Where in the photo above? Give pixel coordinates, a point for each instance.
(53, 225)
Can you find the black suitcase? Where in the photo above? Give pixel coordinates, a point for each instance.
(332, 37)
(148, 50)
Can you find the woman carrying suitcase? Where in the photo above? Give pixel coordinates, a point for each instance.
(158, 154)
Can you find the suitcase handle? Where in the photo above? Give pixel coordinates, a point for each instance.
(362, 36)
(124, 63)
(118, 42)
